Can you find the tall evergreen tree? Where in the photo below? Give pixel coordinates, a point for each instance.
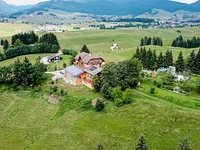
(5, 44)
(144, 58)
(141, 144)
(17, 79)
(142, 42)
(160, 61)
(2, 42)
(180, 64)
(137, 54)
(154, 57)
(168, 59)
(190, 64)
(85, 49)
(150, 61)
(197, 63)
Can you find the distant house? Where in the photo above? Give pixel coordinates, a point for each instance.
(85, 67)
(53, 58)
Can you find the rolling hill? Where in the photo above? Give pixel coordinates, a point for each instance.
(113, 7)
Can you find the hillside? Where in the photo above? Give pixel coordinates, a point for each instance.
(114, 7)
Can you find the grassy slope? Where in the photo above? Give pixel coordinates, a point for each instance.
(30, 123)
(128, 39)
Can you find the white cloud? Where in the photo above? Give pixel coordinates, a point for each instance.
(186, 1)
(23, 2)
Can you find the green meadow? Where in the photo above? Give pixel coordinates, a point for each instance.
(29, 121)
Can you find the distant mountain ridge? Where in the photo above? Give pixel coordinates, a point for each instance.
(6, 8)
(112, 7)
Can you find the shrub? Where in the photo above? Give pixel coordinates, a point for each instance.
(55, 89)
(127, 96)
(115, 92)
(61, 92)
(99, 105)
(118, 102)
(152, 90)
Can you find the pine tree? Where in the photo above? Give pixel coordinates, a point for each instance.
(2, 42)
(190, 64)
(185, 145)
(154, 57)
(160, 62)
(5, 44)
(150, 62)
(85, 49)
(180, 66)
(168, 59)
(137, 54)
(144, 58)
(142, 42)
(197, 63)
(141, 144)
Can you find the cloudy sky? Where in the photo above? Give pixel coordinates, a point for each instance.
(24, 2)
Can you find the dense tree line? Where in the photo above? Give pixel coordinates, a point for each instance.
(189, 43)
(123, 74)
(151, 61)
(48, 43)
(25, 38)
(22, 73)
(151, 41)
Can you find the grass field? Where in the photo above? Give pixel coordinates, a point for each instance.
(99, 41)
(30, 122)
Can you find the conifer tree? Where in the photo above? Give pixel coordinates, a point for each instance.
(85, 49)
(190, 64)
(154, 60)
(142, 42)
(180, 66)
(141, 144)
(149, 60)
(137, 54)
(5, 44)
(197, 63)
(144, 58)
(160, 62)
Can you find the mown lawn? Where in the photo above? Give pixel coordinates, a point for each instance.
(30, 122)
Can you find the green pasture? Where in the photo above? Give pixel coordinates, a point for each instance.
(99, 41)
(32, 58)
(30, 122)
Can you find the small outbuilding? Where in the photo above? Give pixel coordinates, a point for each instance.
(53, 58)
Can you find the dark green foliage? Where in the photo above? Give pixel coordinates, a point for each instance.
(5, 44)
(97, 83)
(160, 61)
(115, 92)
(197, 63)
(22, 73)
(72, 57)
(123, 74)
(198, 85)
(25, 38)
(64, 65)
(99, 105)
(100, 146)
(185, 145)
(17, 43)
(2, 41)
(49, 38)
(55, 89)
(180, 64)
(67, 52)
(191, 62)
(85, 49)
(168, 59)
(179, 42)
(151, 41)
(152, 90)
(141, 144)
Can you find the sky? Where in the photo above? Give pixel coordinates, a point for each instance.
(25, 2)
